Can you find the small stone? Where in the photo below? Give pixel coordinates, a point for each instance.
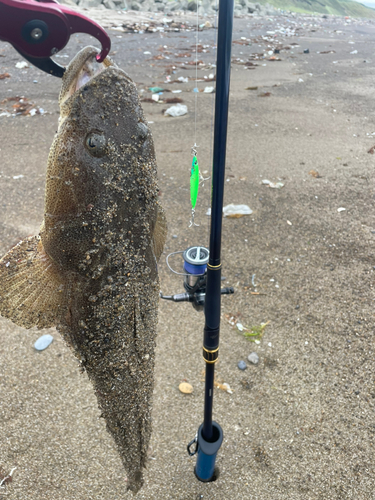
(192, 5)
(109, 4)
(88, 4)
(185, 388)
(135, 6)
(226, 387)
(253, 358)
(242, 365)
(43, 342)
(22, 65)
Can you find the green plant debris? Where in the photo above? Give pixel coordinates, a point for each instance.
(253, 333)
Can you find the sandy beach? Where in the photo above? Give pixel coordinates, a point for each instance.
(299, 425)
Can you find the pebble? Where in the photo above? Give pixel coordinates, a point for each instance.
(22, 65)
(185, 388)
(242, 365)
(253, 358)
(43, 342)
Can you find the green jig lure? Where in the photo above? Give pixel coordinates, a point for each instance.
(194, 186)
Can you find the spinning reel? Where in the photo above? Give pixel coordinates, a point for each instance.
(195, 277)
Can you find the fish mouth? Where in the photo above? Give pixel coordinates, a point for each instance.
(82, 69)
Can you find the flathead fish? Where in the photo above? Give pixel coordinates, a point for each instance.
(92, 270)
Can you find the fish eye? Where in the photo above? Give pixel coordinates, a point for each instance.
(96, 144)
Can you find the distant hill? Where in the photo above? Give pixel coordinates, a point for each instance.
(337, 7)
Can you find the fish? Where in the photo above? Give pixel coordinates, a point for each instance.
(92, 272)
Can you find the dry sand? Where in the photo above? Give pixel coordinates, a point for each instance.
(301, 424)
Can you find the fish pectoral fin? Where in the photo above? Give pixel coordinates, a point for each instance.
(160, 233)
(31, 286)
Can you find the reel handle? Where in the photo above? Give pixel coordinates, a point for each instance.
(178, 297)
(189, 297)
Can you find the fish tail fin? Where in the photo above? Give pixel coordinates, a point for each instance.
(31, 285)
(135, 481)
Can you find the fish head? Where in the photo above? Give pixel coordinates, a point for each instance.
(100, 102)
(101, 172)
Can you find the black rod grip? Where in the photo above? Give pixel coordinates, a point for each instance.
(212, 308)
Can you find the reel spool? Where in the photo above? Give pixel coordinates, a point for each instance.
(196, 259)
(195, 264)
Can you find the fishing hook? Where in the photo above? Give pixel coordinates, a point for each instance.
(192, 223)
(203, 179)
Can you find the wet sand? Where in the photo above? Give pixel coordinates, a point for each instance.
(300, 424)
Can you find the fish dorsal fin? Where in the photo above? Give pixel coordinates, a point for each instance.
(31, 286)
(160, 233)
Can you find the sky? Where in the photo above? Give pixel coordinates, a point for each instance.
(368, 3)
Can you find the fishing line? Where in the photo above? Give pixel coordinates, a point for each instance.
(194, 172)
(196, 75)
(195, 175)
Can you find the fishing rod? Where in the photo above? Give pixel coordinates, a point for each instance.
(203, 268)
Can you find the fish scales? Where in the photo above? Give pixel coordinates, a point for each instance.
(92, 270)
